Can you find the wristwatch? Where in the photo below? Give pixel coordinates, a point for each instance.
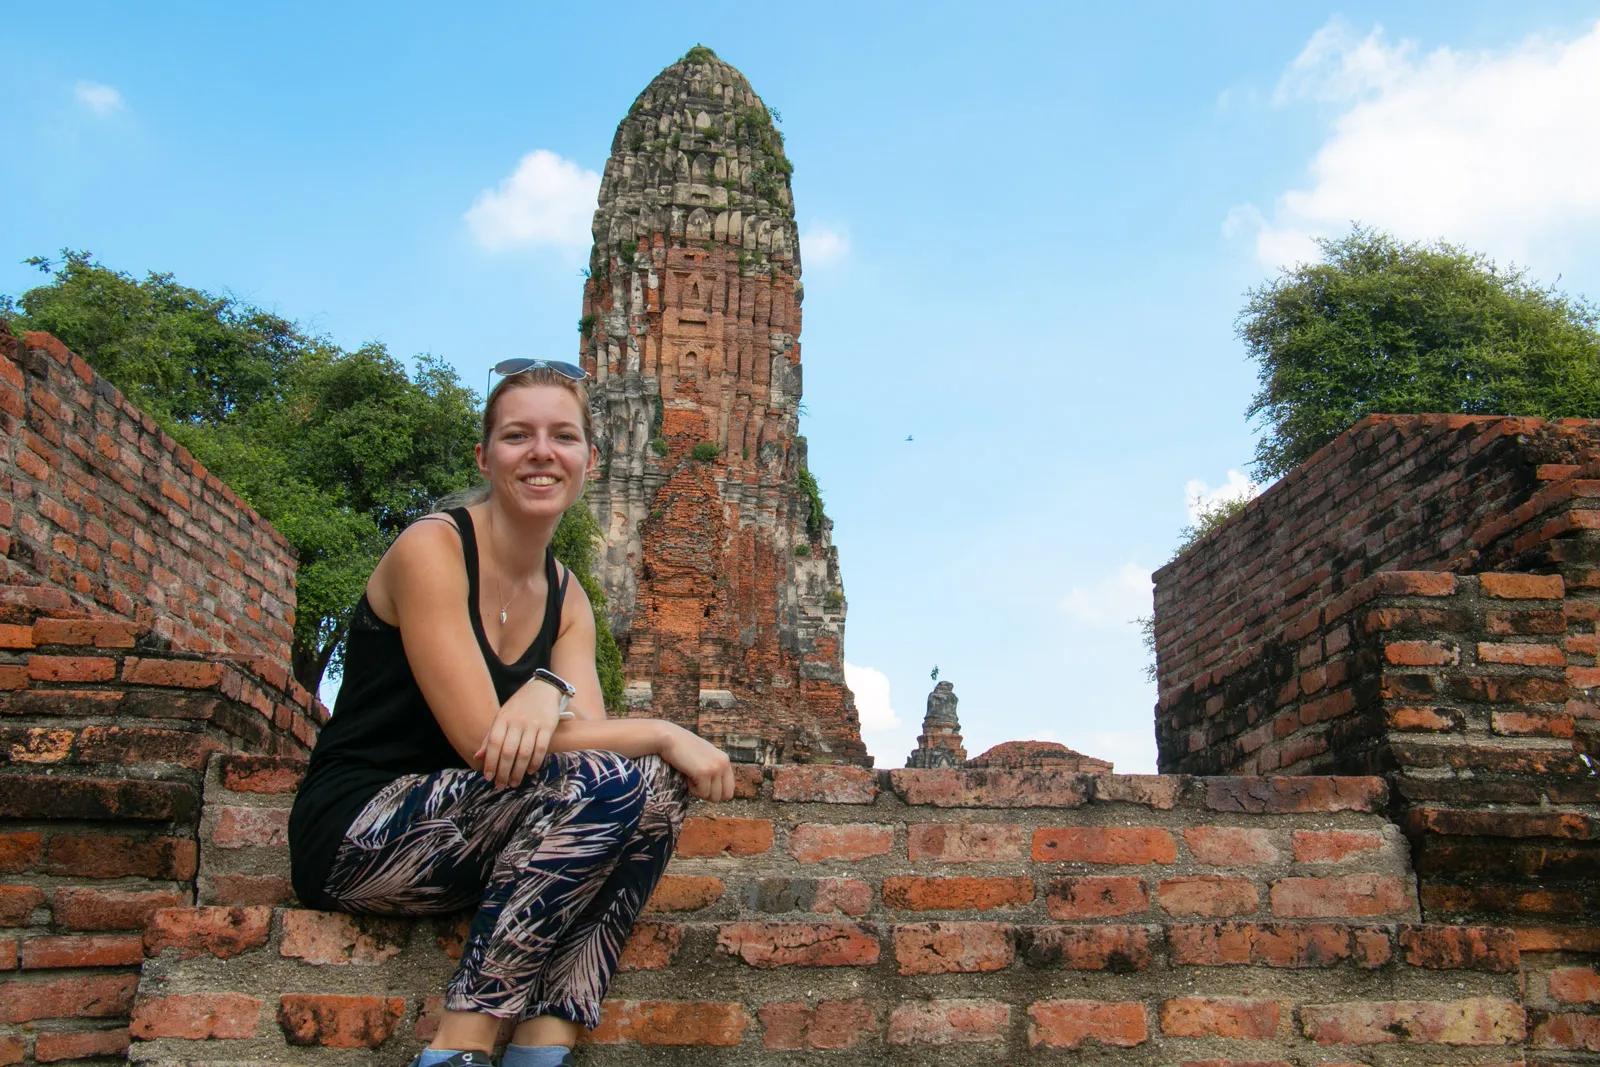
(564, 687)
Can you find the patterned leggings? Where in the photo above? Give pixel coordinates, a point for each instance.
(559, 868)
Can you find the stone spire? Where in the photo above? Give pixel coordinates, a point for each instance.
(722, 579)
(939, 744)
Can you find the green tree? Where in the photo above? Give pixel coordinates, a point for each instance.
(339, 450)
(1380, 325)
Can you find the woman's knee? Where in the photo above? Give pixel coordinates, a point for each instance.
(606, 778)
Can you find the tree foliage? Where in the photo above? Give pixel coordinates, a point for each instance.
(1380, 325)
(340, 450)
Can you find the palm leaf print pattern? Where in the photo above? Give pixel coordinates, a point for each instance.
(559, 867)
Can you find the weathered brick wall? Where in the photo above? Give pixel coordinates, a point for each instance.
(105, 733)
(98, 502)
(956, 916)
(1412, 492)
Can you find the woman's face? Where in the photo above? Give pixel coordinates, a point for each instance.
(536, 459)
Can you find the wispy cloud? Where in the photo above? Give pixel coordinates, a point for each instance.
(1495, 150)
(97, 98)
(1116, 599)
(822, 246)
(547, 200)
(1200, 497)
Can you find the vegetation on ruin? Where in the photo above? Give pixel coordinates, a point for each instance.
(705, 451)
(699, 54)
(658, 445)
(807, 483)
(1383, 326)
(340, 450)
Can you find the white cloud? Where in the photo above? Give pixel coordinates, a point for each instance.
(821, 246)
(887, 736)
(100, 99)
(1116, 599)
(1200, 497)
(547, 200)
(1495, 151)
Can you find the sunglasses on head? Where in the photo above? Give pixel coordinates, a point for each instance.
(516, 365)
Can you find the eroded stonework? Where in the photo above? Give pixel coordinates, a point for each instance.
(939, 744)
(723, 582)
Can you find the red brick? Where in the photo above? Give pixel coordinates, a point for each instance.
(824, 784)
(1567, 1030)
(327, 937)
(99, 633)
(684, 892)
(944, 894)
(12, 1049)
(715, 835)
(1575, 985)
(1421, 653)
(1220, 1017)
(117, 856)
(1206, 895)
(1523, 655)
(110, 909)
(338, 1021)
(949, 1022)
(20, 851)
(1086, 948)
(669, 1022)
(1478, 948)
(139, 744)
(79, 997)
(767, 945)
(816, 842)
(650, 947)
(1415, 583)
(71, 668)
(1103, 844)
(246, 889)
(17, 903)
(1350, 895)
(1303, 794)
(178, 673)
(219, 932)
(262, 774)
(1423, 719)
(1477, 1021)
(46, 796)
(8, 953)
(1074, 1023)
(1096, 897)
(13, 676)
(1532, 623)
(1522, 586)
(81, 1045)
(1159, 791)
(1231, 846)
(1334, 846)
(246, 827)
(993, 787)
(965, 842)
(830, 1024)
(37, 744)
(84, 950)
(17, 637)
(197, 1017)
(1276, 945)
(953, 947)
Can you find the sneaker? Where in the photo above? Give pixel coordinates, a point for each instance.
(462, 1059)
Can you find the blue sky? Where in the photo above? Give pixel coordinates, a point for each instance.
(1027, 230)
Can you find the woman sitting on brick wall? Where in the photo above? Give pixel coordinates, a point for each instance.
(471, 657)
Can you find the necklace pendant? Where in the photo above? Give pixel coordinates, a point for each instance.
(502, 616)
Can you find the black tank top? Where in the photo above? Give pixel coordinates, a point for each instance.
(381, 727)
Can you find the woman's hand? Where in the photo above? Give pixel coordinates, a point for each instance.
(519, 737)
(707, 767)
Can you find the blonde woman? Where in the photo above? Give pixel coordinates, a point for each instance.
(469, 761)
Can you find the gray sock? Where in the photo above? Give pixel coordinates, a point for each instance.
(535, 1056)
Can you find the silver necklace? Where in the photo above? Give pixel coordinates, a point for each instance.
(498, 589)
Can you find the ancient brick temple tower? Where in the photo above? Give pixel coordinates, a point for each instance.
(722, 577)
